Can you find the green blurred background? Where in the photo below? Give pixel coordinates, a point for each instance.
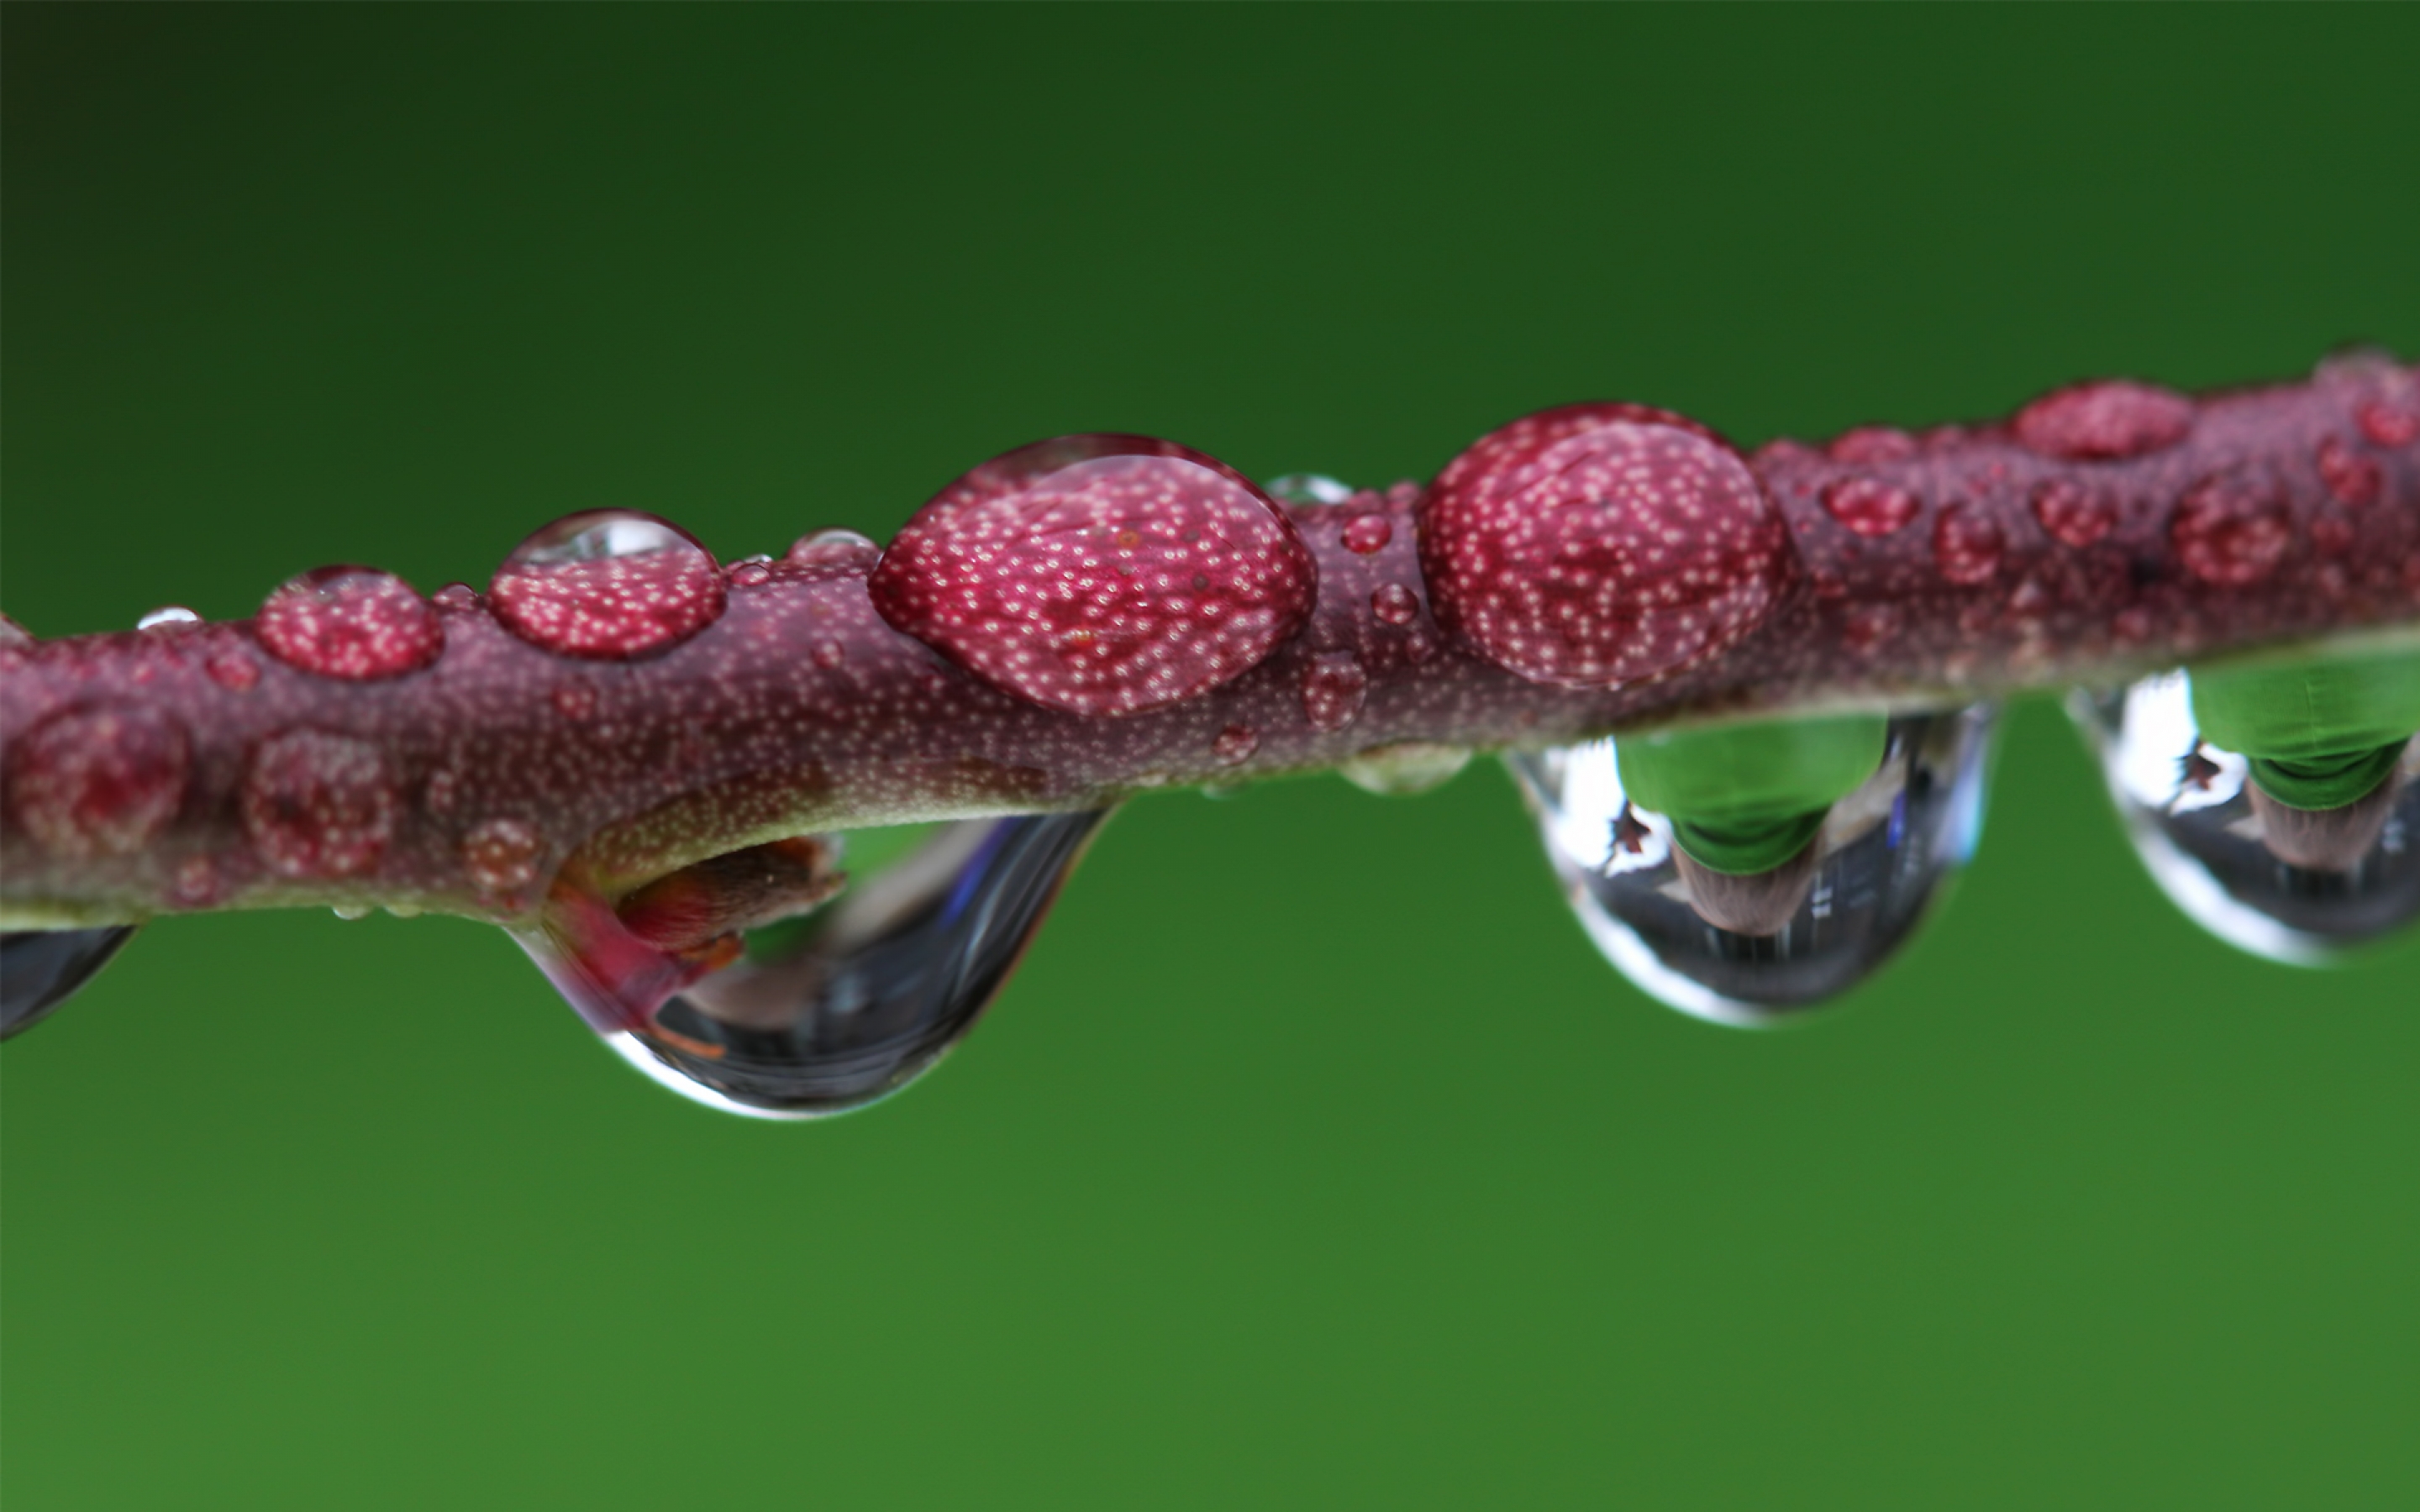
(1314, 1159)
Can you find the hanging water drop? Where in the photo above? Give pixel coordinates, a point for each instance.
(2274, 804)
(1747, 920)
(842, 1007)
(39, 969)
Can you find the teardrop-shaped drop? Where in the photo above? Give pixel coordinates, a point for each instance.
(2276, 845)
(828, 1013)
(39, 969)
(1748, 942)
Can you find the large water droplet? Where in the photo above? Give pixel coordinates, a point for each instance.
(1099, 574)
(607, 585)
(1405, 768)
(100, 781)
(1880, 858)
(353, 623)
(39, 969)
(318, 804)
(2239, 862)
(851, 1003)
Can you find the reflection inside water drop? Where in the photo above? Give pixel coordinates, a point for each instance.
(831, 1011)
(1750, 941)
(2274, 804)
(39, 969)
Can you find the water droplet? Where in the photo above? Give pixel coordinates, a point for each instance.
(1406, 768)
(834, 548)
(1882, 856)
(1598, 544)
(1367, 534)
(2297, 885)
(233, 670)
(1310, 488)
(455, 598)
(828, 654)
(14, 637)
(99, 780)
(2354, 479)
(319, 805)
(607, 585)
(2105, 421)
(1394, 603)
(1065, 573)
(1871, 446)
(1235, 743)
(2231, 529)
(857, 1000)
(170, 615)
(1870, 506)
(351, 912)
(1966, 544)
(39, 969)
(353, 623)
(1869, 625)
(500, 854)
(753, 573)
(1334, 683)
(2387, 423)
(2072, 514)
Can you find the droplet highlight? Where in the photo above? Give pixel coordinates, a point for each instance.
(1334, 687)
(607, 585)
(352, 623)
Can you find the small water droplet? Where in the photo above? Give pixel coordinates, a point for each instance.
(99, 780)
(2105, 421)
(1367, 534)
(169, 615)
(318, 804)
(2072, 514)
(753, 573)
(1235, 743)
(196, 883)
(1016, 574)
(351, 912)
(1394, 603)
(1334, 685)
(500, 854)
(233, 670)
(2354, 479)
(2301, 875)
(1966, 544)
(607, 585)
(2231, 529)
(834, 548)
(352, 623)
(1860, 887)
(1871, 446)
(854, 1002)
(1310, 488)
(39, 969)
(455, 598)
(2395, 423)
(1405, 768)
(1870, 506)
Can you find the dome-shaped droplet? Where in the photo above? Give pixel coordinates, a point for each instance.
(1601, 543)
(1394, 603)
(607, 585)
(500, 854)
(1334, 685)
(99, 780)
(1840, 906)
(1870, 506)
(353, 623)
(2072, 514)
(1099, 574)
(1967, 545)
(2105, 421)
(317, 803)
(2231, 529)
(860, 998)
(167, 616)
(1367, 534)
(2354, 479)
(1235, 743)
(2290, 875)
(838, 549)
(39, 969)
